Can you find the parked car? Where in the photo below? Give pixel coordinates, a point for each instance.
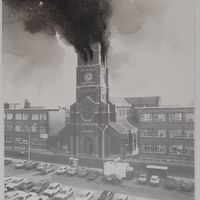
(187, 185)
(155, 180)
(25, 186)
(7, 161)
(40, 187)
(52, 189)
(122, 197)
(92, 175)
(15, 182)
(113, 179)
(31, 165)
(106, 195)
(47, 169)
(40, 197)
(73, 171)
(64, 193)
(83, 171)
(170, 183)
(20, 164)
(11, 194)
(41, 166)
(23, 196)
(129, 173)
(21, 153)
(63, 169)
(142, 179)
(85, 195)
(8, 179)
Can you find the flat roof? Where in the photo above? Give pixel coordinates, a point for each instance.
(164, 107)
(156, 167)
(33, 109)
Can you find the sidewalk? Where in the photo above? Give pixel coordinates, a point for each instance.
(132, 161)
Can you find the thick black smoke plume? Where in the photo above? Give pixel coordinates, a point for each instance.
(80, 22)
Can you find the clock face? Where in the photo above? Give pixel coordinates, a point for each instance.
(87, 113)
(88, 76)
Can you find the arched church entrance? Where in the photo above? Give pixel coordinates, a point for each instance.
(88, 145)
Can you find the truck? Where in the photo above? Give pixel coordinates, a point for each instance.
(121, 169)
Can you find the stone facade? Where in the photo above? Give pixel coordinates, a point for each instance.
(92, 114)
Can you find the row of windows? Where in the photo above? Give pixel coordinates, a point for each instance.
(173, 149)
(19, 128)
(123, 112)
(177, 133)
(26, 116)
(161, 117)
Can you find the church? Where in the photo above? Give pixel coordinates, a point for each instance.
(97, 127)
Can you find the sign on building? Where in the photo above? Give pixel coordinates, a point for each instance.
(44, 136)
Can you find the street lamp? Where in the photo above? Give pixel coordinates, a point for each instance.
(103, 140)
(29, 137)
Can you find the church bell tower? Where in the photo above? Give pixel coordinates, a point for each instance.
(92, 110)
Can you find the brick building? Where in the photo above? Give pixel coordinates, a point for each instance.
(166, 132)
(41, 122)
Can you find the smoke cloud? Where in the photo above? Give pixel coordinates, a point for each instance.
(79, 22)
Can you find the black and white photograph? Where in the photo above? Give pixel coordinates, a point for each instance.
(99, 99)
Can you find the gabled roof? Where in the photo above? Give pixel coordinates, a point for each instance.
(144, 101)
(119, 101)
(122, 126)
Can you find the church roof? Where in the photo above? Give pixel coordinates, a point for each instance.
(122, 126)
(119, 101)
(144, 101)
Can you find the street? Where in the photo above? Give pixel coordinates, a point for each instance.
(131, 188)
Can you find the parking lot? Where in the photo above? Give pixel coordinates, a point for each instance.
(129, 187)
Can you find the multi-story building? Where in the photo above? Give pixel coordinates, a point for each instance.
(41, 123)
(166, 132)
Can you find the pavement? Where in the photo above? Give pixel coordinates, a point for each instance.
(131, 188)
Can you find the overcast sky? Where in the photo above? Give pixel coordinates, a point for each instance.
(152, 53)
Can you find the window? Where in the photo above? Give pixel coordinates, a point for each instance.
(146, 117)
(8, 139)
(160, 149)
(159, 117)
(176, 149)
(24, 141)
(189, 150)
(18, 116)
(153, 148)
(189, 117)
(33, 129)
(175, 117)
(35, 117)
(176, 133)
(145, 133)
(25, 116)
(9, 127)
(153, 133)
(18, 140)
(18, 128)
(43, 116)
(188, 134)
(159, 133)
(9, 116)
(42, 141)
(34, 140)
(42, 129)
